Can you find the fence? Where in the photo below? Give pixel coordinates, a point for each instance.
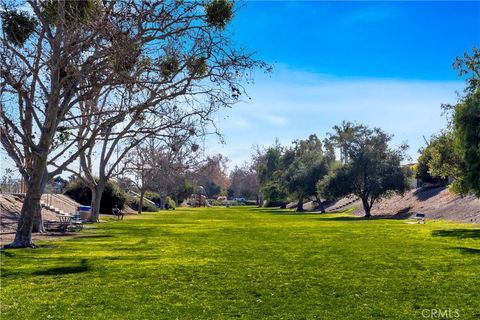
(12, 187)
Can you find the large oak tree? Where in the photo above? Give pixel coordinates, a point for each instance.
(373, 169)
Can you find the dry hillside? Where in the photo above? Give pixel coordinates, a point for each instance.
(436, 203)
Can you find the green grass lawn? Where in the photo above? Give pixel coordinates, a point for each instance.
(220, 263)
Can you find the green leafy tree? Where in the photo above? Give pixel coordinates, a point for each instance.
(274, 194)
(341, 138)
(426, 159)
(307, 166)
(269, 164)
(372, 172)
(456, 152)
(466, 121)
(467, 138)
(212, 189)
(442, 160)
(184, 191)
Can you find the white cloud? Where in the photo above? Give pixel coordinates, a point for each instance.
(275, 120)
(291, 104)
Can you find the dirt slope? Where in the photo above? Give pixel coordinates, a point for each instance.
(10, 207)
(437, 203)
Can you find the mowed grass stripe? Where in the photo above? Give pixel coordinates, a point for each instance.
(220, 263)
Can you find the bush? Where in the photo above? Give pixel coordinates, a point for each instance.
(184, 191)
(153, 196)
(170, 204)
(274, 195)
(134, 203)
(112, 195)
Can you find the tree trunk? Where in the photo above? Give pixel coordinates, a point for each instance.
(30, 209)
(300, 204)
(23, 236)
(320, 204)
(140, 202)
(96, 200)
(366, 207)
(38, 220)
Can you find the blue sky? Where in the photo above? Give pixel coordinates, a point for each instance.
(385, 64)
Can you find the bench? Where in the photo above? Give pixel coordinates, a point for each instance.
(420, 217)
(64, 224)
(117, 213)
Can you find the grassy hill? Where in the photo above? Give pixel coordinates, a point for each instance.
(220, 263)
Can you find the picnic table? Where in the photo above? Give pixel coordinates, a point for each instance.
(420, 217)
(64, 223)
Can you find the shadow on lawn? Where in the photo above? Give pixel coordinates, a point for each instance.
(98, 236)
(457, 233)
(286, 212)
(467, 250)
(350, 218)
(7, 253)
(83, 267)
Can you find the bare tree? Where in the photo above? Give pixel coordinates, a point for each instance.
(211, 174)
(101, 160)
(60, 58)
(161, 164)
(243, 182)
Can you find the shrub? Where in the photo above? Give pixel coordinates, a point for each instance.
(184, 191)
(170, 204)
(112, 195)
(134, 203)
(274, 195)
(153, 196)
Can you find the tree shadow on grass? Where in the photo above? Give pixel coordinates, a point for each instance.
(401, 216)
(270, 210)
(467, 250)
(349, 218)
(94, 236)
(7, 253)
(83, 267)
(458, 233)
(285, 212)
(294, 213)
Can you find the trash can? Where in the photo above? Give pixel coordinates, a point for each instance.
(85, 212)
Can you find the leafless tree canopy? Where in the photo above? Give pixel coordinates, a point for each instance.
(74, 71)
